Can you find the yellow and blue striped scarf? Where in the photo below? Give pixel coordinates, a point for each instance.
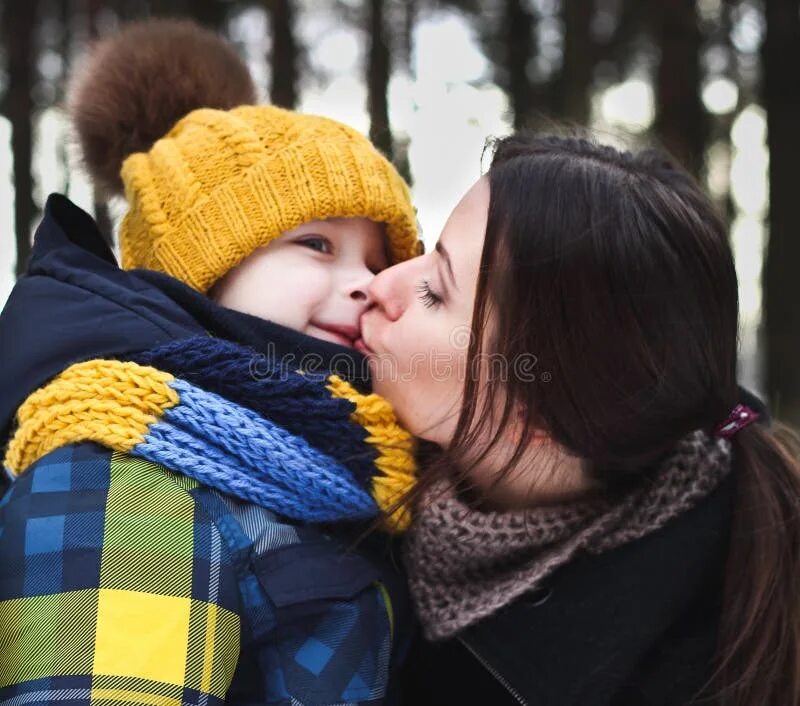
(307, 446)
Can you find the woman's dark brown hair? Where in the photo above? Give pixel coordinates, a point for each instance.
(616, 272)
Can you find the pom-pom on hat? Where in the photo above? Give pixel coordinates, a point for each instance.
(163, 110)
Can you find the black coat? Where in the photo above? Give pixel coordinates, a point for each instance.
(636, 626)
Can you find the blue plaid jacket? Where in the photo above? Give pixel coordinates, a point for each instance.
(125, 583)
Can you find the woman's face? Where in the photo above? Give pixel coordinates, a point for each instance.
(417, 332)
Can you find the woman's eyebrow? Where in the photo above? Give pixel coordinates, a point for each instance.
(441, 250)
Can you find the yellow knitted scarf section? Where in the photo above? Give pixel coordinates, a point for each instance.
(110, 402)
(395, 461)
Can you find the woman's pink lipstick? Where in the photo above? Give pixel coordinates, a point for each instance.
(344, 335)
(361, 347)
(360, 344)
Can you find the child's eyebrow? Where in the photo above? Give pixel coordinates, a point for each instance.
(446, 256)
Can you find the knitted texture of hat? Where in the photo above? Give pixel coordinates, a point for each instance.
(223, 183)
(464, 564)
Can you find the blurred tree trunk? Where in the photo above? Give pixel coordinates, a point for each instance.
(411, 8)
(573, 97)
(130, 10)
(720, 125)
(65, 16)
(402, 143)
(781, 58)
(18, 32)
(379, 69)
(284, 54)
(681, 121)
(101, 212)
(519, 48)
(209, 13)
(618, 48)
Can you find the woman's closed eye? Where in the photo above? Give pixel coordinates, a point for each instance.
(318, 243)
(427, 296)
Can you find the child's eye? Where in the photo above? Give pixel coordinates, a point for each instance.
(318, 243)
(427, 296)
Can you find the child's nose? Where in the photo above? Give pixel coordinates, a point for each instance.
(358, 286)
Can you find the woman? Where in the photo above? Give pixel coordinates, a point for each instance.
(605, 525)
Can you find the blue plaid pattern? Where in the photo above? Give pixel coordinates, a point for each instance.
(306, 624)
(316, 643)
(53, 513)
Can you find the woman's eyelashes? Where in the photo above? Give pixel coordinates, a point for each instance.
(427, 296)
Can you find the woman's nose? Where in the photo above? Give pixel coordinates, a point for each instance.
(389, 289)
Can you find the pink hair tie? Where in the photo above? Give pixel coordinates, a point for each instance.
(740, 416)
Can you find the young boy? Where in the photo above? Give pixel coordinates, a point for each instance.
(185, 489)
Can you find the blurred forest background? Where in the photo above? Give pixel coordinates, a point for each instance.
(714, 81)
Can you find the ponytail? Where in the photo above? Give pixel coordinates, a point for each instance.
(758, 653)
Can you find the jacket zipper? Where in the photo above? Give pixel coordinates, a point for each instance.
(499, 677)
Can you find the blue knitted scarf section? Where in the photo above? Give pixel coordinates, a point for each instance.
(301, 404)
(251, 428)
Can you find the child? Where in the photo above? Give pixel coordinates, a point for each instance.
(186, 485)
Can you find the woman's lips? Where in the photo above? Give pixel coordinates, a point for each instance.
(362, 347)
(361, 344)
(342, 334)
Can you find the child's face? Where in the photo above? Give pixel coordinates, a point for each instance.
(312, 279)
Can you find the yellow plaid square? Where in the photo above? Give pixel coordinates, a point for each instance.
(142, 635)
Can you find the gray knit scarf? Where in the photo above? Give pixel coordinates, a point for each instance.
(465, 564)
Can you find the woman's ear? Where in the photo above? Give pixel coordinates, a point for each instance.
(520, 420)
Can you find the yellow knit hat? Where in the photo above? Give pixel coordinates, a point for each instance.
(224, 178)
(223, 183)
